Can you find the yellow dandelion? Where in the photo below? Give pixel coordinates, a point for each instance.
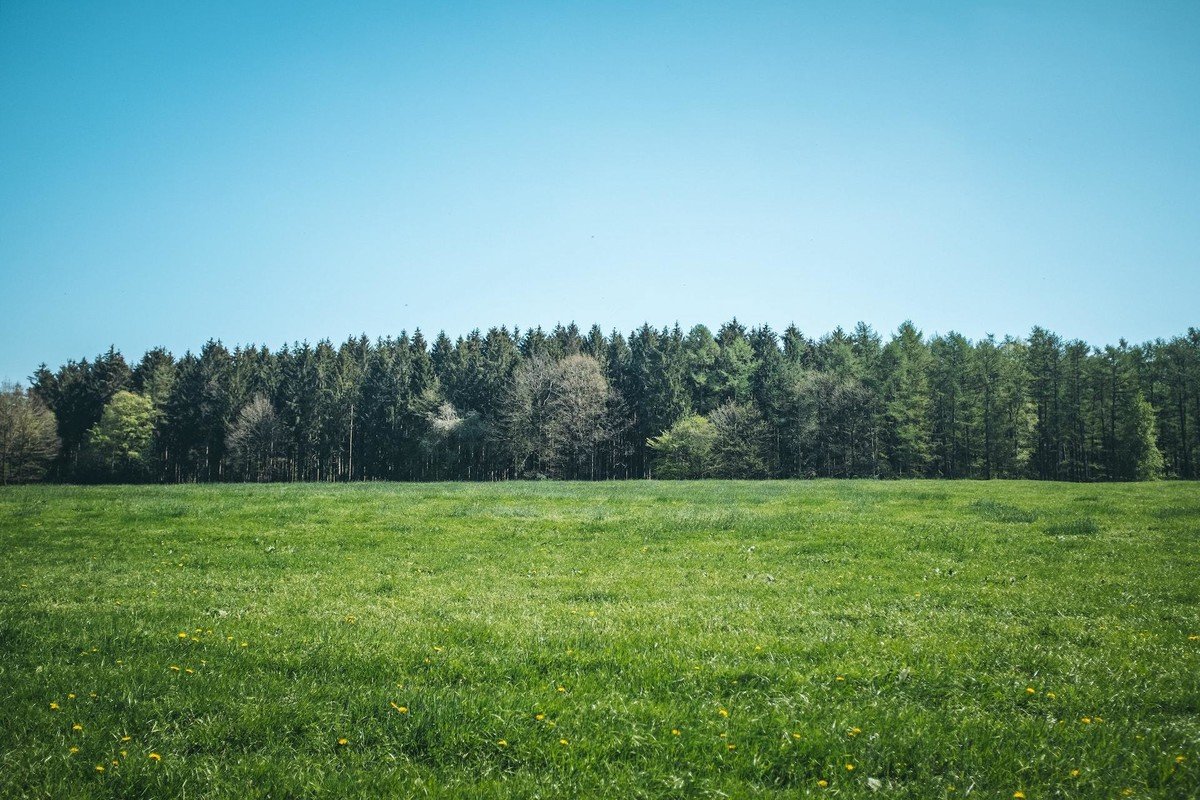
(190, 671)
(1074, 773)
(54, 706)
(154, 757)
(723, 712)
(561, 690)
(1019, 795)
(1086, 720)
(71, 697)
(245, 644)
(1126, 792)
(99, 768)
(854, 732)
(124, 754)
(1180, 759)
(73, 750)
(731, 747)
(126, 738)
(438, 649)
(675, 732)
(839, 678)
(93, 695)
(822, 783)
(539, 717)
(183, 634)
(1194, 638)
(501, 743)
(797, 736)
(76, 727)
(1051, 695)
(343, 741)
(849, 767)
(116, 763)
(1030, 690)
(563, 742)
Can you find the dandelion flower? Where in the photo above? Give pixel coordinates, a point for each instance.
(822, 783)
(154, 757)
(539, 717)
(1086, 720)
(124, 754)
(99, 768)
(1074, 773)
(73, 750)
(54, 706)
(126, 738)
(174, 668)
(849, 767)
(731, 747)
(183, 634)
(116, 763)
(675, 732)
(723, 712)
(797, 736)
(190, 671)
(1019, 795)
(854, 732)
(343, 741)
(1030, 690)
(1126, 792)
(502, 743)
(1180, 759)
(76, 727)
(561, 690)
(71, 696)
(563, 742)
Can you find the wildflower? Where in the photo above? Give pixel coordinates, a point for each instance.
(99, 768)
(116, 763)
(124, 754)
(1180, 759)
(539, 717)
(1051, 695)
(126, 738)
(183, 634)
(244, 644)
(1019, 795)
(1074, 773)
(563, 742)
(174, 668)
(154, 757)
(343, 742)
(190, 671)
(822, 783)
(438, 649)
(54, 706)
(849, 768)
(723, 712)
(1030, 690)
(73, 750)
(796, 736)
(1086, 720)
(731, 747)
(561, 690)
(839, 678)
(71, 696)
(854, 732)
(1194, 638)
(1126, 792)
(76, 727)
(93, 695)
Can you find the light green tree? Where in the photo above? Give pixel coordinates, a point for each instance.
(684, 450)
(121, 439)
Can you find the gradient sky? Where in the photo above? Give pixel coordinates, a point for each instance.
(259, 172)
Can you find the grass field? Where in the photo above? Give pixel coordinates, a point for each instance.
(708, 639)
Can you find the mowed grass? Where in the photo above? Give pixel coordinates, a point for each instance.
(653, 639)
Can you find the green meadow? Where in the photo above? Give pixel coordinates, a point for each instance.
(638, 639)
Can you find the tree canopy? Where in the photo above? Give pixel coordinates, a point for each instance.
(657, 402)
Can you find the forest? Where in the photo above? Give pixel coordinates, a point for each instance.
(658, 403)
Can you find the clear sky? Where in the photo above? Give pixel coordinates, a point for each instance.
(259, 172)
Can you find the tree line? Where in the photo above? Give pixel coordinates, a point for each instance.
(740, 403)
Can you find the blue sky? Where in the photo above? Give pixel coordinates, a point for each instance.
(262, 172)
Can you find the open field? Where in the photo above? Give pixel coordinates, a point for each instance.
(706, 639)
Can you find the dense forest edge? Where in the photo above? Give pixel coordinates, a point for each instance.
(740, 403)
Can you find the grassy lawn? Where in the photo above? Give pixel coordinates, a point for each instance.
(707, 639)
